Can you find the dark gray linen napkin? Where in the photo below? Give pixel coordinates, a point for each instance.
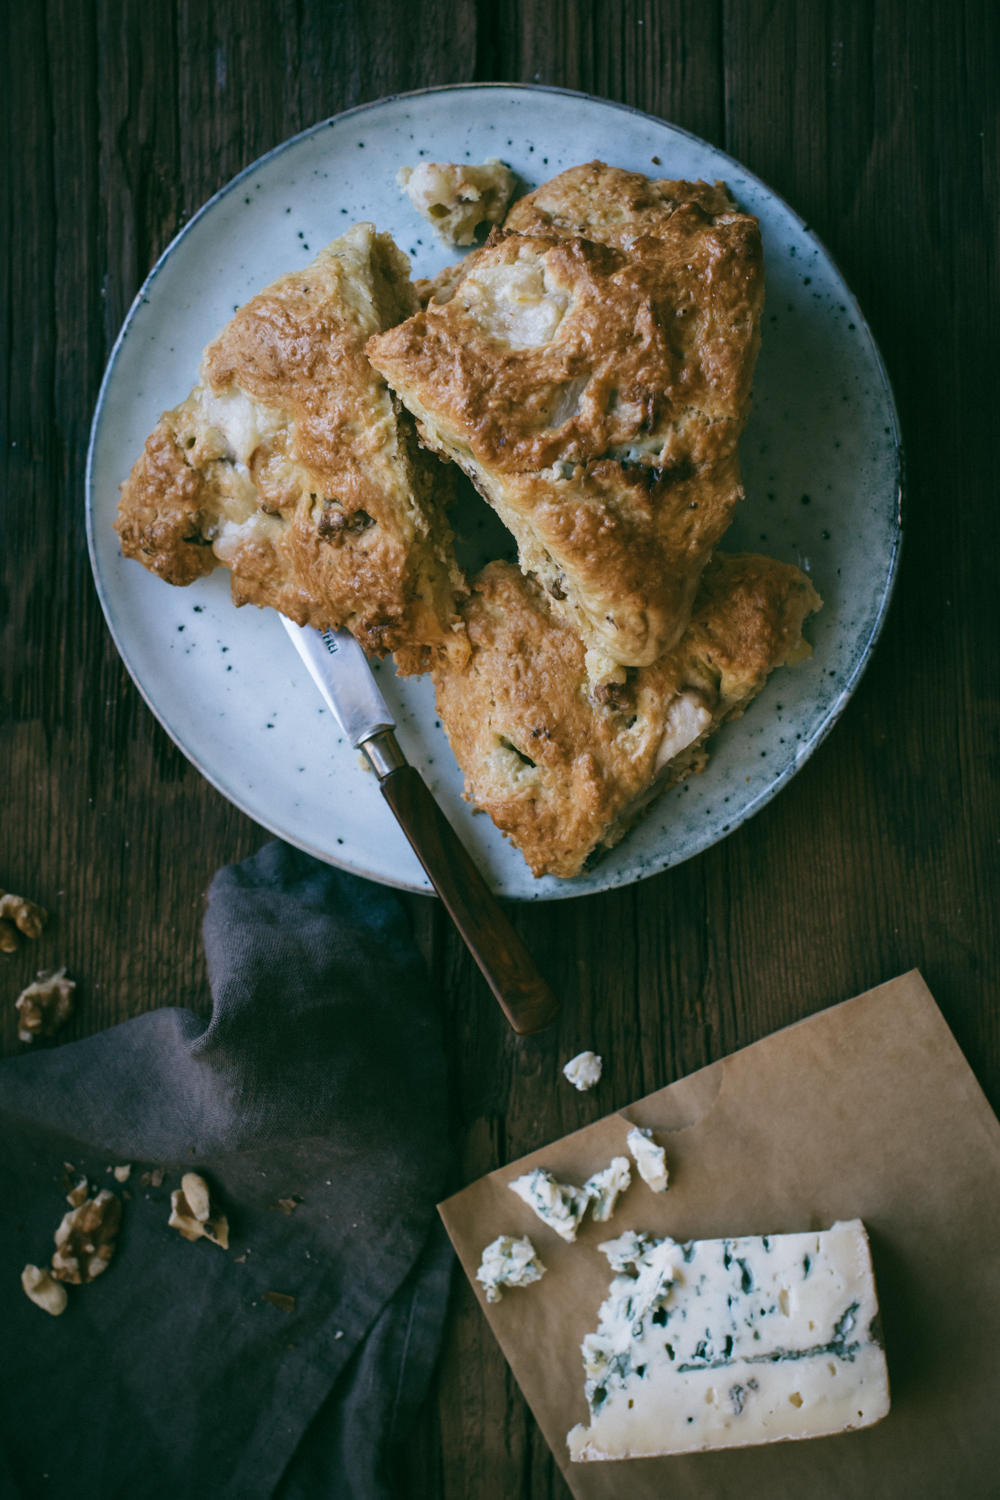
(320, 1077)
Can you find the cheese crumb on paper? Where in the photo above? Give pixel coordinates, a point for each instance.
(732, 1342)
(604, 1188)
(583, 1071)
(508, 1262)
(558, 1204)
(649, 1158)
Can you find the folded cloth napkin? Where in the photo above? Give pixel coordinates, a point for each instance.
(319, 1080)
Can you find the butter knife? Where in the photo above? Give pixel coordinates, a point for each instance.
(339, 668)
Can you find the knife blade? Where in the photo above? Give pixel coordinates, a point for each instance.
(339, 668)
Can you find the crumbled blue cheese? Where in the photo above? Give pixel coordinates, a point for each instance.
(727, 1343)
(583, 1071)
(604, 1187)
(626, 1250)
(508, 1262)
(557, 1204)
(649, 1158)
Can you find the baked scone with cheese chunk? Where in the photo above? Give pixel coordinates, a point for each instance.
(593, 382)
(564, 768)
(292, 463)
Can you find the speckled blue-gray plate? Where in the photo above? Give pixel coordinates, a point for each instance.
(820, 466)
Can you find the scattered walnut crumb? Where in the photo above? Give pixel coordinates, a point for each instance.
(85, 1240)
(122, 1173)
(157, 1175)
(286, 1205)
(281, 1300)
(18, 915)
(45, 1004)
(240, 1260)
(43, 1291)
(77, 1194)
(190, 1212)
(145, 1179)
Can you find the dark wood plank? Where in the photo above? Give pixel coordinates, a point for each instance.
(877, 119)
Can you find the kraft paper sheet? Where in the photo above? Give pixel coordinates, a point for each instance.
(867, 1110)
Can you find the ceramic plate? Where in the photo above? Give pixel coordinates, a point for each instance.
(820, 465)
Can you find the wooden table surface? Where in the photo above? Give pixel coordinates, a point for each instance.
(877, 121)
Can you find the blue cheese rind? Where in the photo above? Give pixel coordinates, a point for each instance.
(734, 1342)
(508, 1262)
(558, 1204)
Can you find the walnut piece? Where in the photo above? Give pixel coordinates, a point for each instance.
(43, 1291)
(17, 914)
(122, 1173)
(77, 1194)
(85, 1240)
(280, 1300)
(190, 1210)
(45, 1004)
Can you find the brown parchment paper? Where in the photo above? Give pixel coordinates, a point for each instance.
(865, 1110)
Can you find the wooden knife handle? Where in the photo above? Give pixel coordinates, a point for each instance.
(527, 1000)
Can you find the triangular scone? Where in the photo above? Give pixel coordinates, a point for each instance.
(595, 394)
(292, 463)
(564, 770)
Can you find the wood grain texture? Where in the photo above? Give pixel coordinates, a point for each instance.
(877, 120)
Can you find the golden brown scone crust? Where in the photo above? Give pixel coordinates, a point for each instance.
(608, 204)
(523, 697)
(595, 391)
(292, 463)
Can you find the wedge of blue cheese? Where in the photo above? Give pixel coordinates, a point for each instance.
(508, 1262)
(728, 1343)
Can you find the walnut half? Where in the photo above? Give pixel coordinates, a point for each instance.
(19, 915)
(45, 1004)
(85, 1240)
(190, 1210)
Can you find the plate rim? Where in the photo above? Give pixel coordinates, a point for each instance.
(836, 709)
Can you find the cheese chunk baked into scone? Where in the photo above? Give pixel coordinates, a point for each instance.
(292, 464)
(565, 769)
(592, 377)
